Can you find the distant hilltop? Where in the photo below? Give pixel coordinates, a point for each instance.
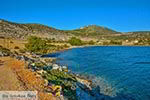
(94, 32)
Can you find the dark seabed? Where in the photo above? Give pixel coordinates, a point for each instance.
(123, 70)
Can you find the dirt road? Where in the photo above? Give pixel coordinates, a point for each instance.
(8, 79)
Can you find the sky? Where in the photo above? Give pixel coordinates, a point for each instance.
(120, 15)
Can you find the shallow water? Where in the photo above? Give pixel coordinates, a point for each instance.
(125, 69)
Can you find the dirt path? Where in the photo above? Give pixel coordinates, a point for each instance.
(8, 79)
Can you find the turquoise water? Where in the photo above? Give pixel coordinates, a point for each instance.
(125, 69)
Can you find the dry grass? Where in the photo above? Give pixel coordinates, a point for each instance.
(8, 79)
(14, 76)
(12, 43)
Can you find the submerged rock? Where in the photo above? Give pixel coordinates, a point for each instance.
(82, 94)
(86, 83)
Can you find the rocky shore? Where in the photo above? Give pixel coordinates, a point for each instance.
(71, 86)
(59, 81)
(55, 82)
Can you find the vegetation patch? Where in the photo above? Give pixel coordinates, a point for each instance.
(36, 44)
(63, 79)
(4, 51)
(75, 41)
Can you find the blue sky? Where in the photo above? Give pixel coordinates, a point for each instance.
(120, 15)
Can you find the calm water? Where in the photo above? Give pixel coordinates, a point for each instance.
(126, 70)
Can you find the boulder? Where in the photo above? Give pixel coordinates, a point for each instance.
(45, 82)
(82, 94)
(65, 68)
(41, 71)
(86, 83)
(1, 54)
(56, 67)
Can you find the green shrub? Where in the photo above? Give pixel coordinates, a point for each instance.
(91, 42)
(36, 44)
(40, 64)
(106, 43)
(22, 50)
(64, 79)
(115, 42)
(75, 41)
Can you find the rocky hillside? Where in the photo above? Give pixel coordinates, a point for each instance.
(21, 31)
(15, 30)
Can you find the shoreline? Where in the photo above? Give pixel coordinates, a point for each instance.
(82, 80)
(72, 47)
(84, 46)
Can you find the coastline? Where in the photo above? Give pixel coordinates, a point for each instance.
(82, 82)
(106, 46)
(72, 47)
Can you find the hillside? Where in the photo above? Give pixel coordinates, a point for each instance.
(94, 30)
(15, 30)
(87, 33)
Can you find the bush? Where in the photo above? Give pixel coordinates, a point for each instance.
(22, 50)
(75, 41)
(36, 44)
(91, 42)
(5, 51)
(40, 64)
(106, 43)
(64, 79)
(16, 47)
(115, 42)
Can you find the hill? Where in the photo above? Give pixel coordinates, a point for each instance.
(86, 33)
(93, 30)
(16, 30)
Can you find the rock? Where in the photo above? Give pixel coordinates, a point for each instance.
(82, 95)
(45, 82)
(64, 67)
(86, 83)
(54, 89)
(41, 71)
(73, 87)
(60, 69)
(38, 76)
(85, 94)
(95, 91)
(61, 97)
(24, 58)
(2, 54)
(33, 64)
(56, 67)
(49, 64)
